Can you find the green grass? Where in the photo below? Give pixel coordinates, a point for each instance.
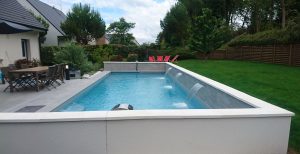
(276, 84)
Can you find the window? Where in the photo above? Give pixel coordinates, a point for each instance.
(25, 48)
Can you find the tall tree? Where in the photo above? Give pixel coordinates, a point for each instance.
(84, 24)
(208, 32)
(175, 26)
(193, 7)
(224, 9)
(283, 13)
(119, 31)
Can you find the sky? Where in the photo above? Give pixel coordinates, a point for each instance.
(146, 14)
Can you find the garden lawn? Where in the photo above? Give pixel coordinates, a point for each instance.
(276, 84)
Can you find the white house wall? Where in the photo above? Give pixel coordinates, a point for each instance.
(52, 33)
(11, 48)
(51, 36)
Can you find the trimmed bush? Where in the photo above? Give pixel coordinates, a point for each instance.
(75, 56)
(97, 54)
(116, 58)
(101, 54)
(132, 57)
(87, 67)
(48, 54)
(183, 54)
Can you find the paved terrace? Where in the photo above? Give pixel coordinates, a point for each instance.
(47, 100)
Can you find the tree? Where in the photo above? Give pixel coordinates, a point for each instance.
(233, 17)
(175, 26)
(283, 13)
(208, 32)
(193, 7)
(84, 24)
(119, 31)
(224, 9)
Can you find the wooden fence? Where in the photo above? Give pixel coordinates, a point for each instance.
(276, 54)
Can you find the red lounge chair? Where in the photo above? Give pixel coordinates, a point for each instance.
(167, 58)
(174, 59)
(160, 58)
(151, 59)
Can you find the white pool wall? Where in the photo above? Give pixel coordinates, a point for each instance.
(135, 66)
(260, 130)
(147, 132)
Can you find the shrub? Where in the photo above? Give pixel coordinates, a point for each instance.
(275, 36)
(293, 28)
(89, 51)
(86, 67)
(74, 56)
(19, 62)
(101, 54)
(132, 57)
(95, 52)
(48, 55)
(97, 67)
(183, 55)
(116, 58)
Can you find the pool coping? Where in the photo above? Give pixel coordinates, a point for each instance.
(263, 109)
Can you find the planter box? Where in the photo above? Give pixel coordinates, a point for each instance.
(76, 74)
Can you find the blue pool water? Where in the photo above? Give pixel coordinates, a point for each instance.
(141, 90)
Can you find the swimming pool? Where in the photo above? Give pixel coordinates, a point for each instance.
(141, 90)
(168, 88)
(239, 123)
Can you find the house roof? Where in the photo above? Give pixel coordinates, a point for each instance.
(53, 15)
(12, 11)
(7, 27)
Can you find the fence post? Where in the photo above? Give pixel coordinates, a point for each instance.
(273, 54)
(290, 55)
(241, 57)
(250, 54)
(226, 53)
(261, 52)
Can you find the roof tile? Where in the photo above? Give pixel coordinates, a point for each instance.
(53, 15)
(12, 11)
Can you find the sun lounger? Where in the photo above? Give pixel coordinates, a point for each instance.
(160, 58)
(151, 59)
(167, 58)
(174, 59)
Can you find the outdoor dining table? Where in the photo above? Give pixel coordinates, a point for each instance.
(34, 70)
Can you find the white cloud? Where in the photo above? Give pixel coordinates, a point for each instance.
(145, 13)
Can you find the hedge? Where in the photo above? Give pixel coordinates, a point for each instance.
(142, 53)
(291, 34)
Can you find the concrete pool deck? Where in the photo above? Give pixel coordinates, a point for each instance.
(12, 102)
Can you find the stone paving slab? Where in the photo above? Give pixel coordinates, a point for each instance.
(31, 108)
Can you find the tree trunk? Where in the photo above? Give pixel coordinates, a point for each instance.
(227, 12)
(283, 14)
(257, 18)
(271, 10)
